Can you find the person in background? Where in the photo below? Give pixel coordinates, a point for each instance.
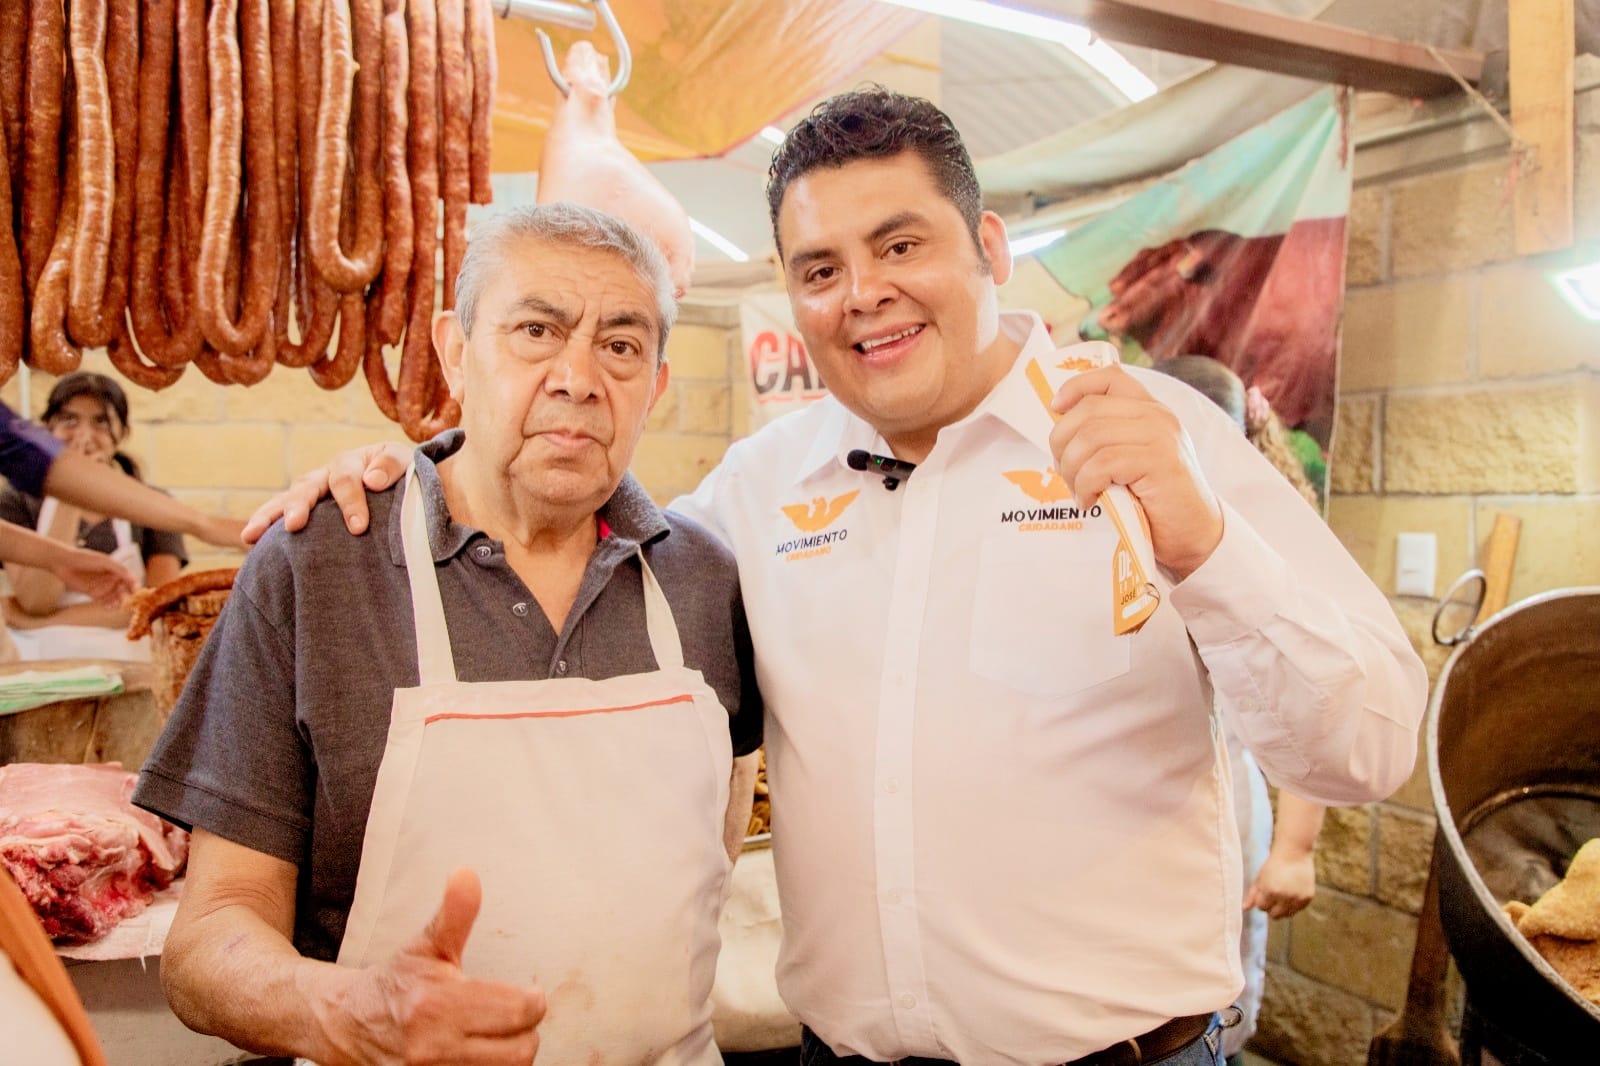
(1279, 855)
(1267, 432)
(89, 413)
(35, 462)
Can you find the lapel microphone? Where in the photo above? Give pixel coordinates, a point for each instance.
(893, 470)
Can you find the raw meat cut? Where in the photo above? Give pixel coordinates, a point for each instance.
(84, 856)
(583, 162)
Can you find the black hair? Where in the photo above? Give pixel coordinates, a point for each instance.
(877, 123)
(1217, 382)
(107, 391)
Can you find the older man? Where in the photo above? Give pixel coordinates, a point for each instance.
(530, 671)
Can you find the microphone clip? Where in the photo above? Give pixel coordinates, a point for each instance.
(893, 470)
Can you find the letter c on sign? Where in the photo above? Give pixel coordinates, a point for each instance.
(766, 361)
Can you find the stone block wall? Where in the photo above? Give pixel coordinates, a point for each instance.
(706, 405)
(1467, 388)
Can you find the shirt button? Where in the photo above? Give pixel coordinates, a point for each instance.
(520, 610)
(892, 785)
(561, 667)
(908, 1001)
(482, 551)
(894, 895)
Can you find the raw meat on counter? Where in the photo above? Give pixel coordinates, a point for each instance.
(84, 856)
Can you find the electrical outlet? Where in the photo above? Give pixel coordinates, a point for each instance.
(1416, 558)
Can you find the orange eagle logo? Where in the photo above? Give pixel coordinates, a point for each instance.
(1046, 486)
(820, 513)
(1078, 362)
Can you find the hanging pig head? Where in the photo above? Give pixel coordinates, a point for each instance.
(583, 162)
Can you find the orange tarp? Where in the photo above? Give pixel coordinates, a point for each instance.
(707, 74)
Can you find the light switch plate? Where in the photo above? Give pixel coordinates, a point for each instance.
(1416, 557)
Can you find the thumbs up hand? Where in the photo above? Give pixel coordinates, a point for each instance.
(445, 938)
(419, 1009)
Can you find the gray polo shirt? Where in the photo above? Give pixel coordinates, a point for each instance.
(276, 741)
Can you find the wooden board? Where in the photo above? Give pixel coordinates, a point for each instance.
(1498, 561)
(1541, 47)
(1263, 40)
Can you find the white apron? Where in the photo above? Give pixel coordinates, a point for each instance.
(86, 642)
(593, 813)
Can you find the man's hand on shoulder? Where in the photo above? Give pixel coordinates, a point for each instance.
(348, 478)
(420, 1008)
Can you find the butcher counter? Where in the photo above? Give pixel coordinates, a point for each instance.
(123, 996)
(120, 727)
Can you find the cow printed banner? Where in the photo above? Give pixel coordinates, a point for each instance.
(1238, 257)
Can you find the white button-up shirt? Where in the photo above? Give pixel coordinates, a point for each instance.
(1002, 833)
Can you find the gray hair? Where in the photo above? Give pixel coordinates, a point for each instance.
(561, 224)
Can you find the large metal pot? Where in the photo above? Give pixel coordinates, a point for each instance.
(1515, 720)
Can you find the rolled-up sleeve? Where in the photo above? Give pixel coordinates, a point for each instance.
(1310, 665)
(232, 759)
(27, 451)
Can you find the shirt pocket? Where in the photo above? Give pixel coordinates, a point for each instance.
(1041, 616)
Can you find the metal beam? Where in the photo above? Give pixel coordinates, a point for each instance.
(1246, 37)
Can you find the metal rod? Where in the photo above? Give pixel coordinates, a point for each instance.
(551, 12)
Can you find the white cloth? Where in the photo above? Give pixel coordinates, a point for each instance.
(86, 642)
(747, 1013)
(593, 812)
(1252, 809)
(1006, 833)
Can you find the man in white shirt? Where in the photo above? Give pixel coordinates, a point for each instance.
(1003, 830)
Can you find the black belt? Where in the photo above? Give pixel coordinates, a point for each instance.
(1159, 1043)
(1156, 1046)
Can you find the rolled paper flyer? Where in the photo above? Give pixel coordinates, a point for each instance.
(1134, 596)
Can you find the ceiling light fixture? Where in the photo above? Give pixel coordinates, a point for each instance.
(1580, 287)
(1106, 60)
(771, 134)
(718, 241)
